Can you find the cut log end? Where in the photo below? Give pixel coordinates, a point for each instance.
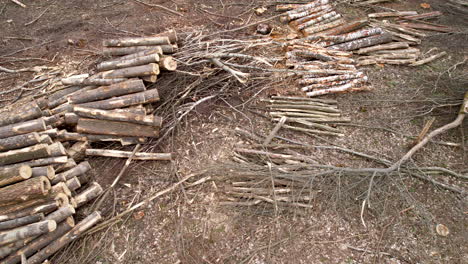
(168, 63)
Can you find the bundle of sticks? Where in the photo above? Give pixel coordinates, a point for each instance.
(325, 70)
(316, 116)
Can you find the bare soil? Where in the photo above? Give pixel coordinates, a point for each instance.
(189, 225)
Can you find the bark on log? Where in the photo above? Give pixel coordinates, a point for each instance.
(46, 171)
(324, 10)
(287, 7)
(136, 71)
(20, 141)
(127, 154)
(317, 20)
(398, 51)
(40, 162)
(71, 119)
(148, 96)
(429, 59)
(355, 35)
(53, 99)
(167, 63)
(68, 136)
(328, 20)
(80, 169)
(13, 175)
(171, 34)
(113, 51)
(387, 46)
(149, 120)
(105, 92)
(63, 99)
(22, 221)
(25, 154)
(131, 42)
(305, 10)
(346, 28)
(91, 81)
(349, 87)
(104, 127)
(42, 208)
(23, 113)
(364, 42)
(93, 191)
(169, 49)
(59, 168)
(403, 37)
(314, 30)
(57, 149)
(77, 150)
(73, 184)
(392, 14)
(402, 29)
(22, 128)
(423, 16)
(25, 190)
(331, 78)
(40, 242)
(155, 50)
(30, 230)
(64, 240)
(438, 28)
(119, 64)
(60, 187)
(323, 85)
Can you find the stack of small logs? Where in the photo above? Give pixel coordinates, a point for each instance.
(44, 142)
(316, 116)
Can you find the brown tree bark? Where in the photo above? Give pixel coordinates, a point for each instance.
(93, 191)
(73, 184)
(40, 162)
(171, 34)
(117, 51)
(349, 27)
(13, 175)
(46, 171)
(127, 154)
(148, 96)
(387, 46)
(135, 71)
(364, 42)
(118, 116)
(54, 103)
(155, 50)
(22, 221)
(131, 42)
(105, 92)
(30, 230)
(22, 128)
(25, 154)
(68, 136)
(64, 240)
(60, 187)
(40, 242)
(314, 30)
(92, 81)
(56, 149)
(23, 113)
(77, 150)
(80, 169)
(37, 209)
(104, 127)
(125, 63)
(150, 78)
(25, 190)
(59, 168)
(20, 141)
(54, 99)
(392, 14)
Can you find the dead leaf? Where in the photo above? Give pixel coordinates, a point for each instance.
(139, 215)
(425, 5)
(442, 230)
(259, 11)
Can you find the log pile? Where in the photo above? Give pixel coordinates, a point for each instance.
(44, 176)
(315, 116)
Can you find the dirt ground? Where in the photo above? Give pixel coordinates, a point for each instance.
(189, 225)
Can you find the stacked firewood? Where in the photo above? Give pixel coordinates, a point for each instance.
(316, 116)
(44, 143)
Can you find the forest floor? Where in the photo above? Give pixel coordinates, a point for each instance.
(190, 225)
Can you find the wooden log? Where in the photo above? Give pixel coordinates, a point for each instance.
(404, 37)
(71, 119)
(54, 99)
(41, 242)
(390, 56)
(397, 51)
(171, 34)
(155, 50)
(59, 168)
(349, 87)
(148, 120)
(150, 78)
(402, 29)
(56, 150)
(80, 169)
(355, 35)
(23, 113)
(305, 10)
(63, 99)
(25, 154)
(84, 179)
(105, 127)
(20, 141)
(29, 189)
(364, 42)
(323, 10)
(64, 240)
(92, 81)
(323, 85)
(60, 187)
(302, 114)
(48, 135)
(387, 46)
(328, 20)
(169, 49)
(438, 28)
(316, 20)
(314, 131)
(30, 230)
(349, 27)
(127, 154)
(167, 63)
(392, 14)
(386, 61)
(331, 78)
(54, 120)
(304, 99)
(119, 64)
(135, 71)
(77, 150)
(40, 162)
(42, 208)
(429, 59)
(73, 184)
(117, 51)
(105, 92)
(22, 128)
(93, 191)
(286, 7)
(313, 30)
(148, 96)
(46, 171)
(21, 221)
(131, 42)
(66, 136)
(423, 15)
(13, 175)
